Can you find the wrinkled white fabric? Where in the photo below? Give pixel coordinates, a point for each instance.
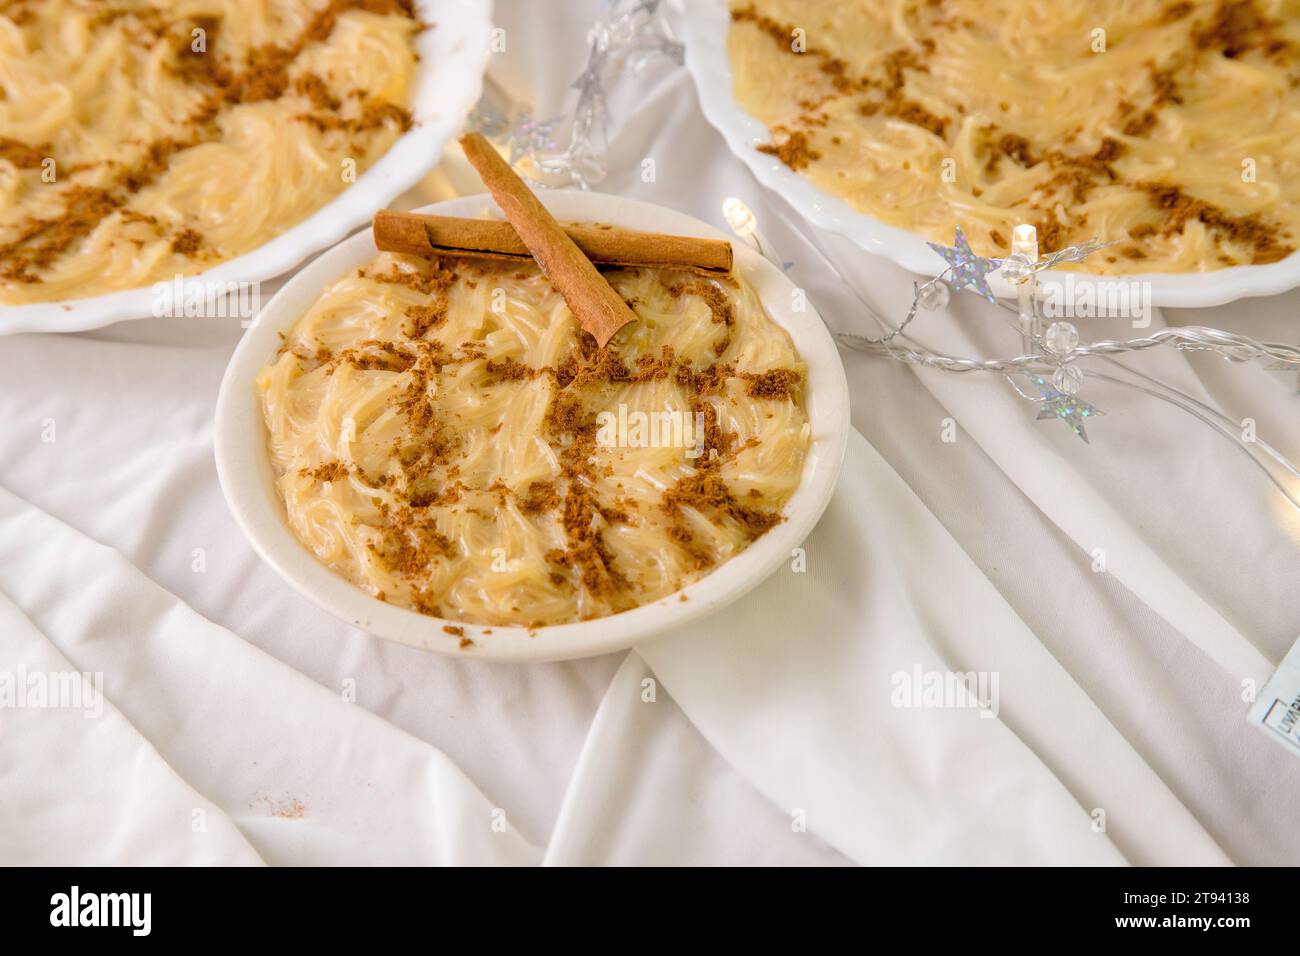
(648, 790)
(814, 719)
(79, 784)
(305, 775)
(1121, 591)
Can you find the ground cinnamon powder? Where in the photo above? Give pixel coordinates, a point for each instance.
(1234, 28)
(39, 242)
(411, 546)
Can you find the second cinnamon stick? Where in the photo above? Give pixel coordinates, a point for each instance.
(593, 301)
(430, 236)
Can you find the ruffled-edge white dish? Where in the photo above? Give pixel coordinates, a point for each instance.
(248, 483)
(705, 24)
(448, 82)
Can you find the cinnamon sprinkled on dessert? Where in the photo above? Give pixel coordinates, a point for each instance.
(1231, 28)
(382, 356)
(411, 546)
(651, 368)
(330, 471)
(422, 476)
(426, 277)
(1180, 208)
(780, 35)
(1236, 28)
(793, 150)
(1141, 124)
(317, 90)
(22, 155)
(719, 305)
(542, 497)
(42, 240)
(915, 113)
(510, 370)
(709, 495)
(187, 242)
(264, 76)
(1017, 147)
(708, 381)
(425, 317)
(778, 383)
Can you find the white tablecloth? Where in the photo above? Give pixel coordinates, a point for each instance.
(242, 725)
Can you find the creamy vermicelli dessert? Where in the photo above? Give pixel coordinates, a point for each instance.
(144, 139)
(447, 438)
(1168, 126)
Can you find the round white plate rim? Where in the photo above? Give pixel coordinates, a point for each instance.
(458, 45)
(245, 474)
(705, 24)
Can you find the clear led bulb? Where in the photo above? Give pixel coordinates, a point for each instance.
(1017, 268)
(1061, 338)
(739, 217)
(933, 295)
(1067, 380)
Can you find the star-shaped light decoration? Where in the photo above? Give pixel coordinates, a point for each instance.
(485, 118)
(530, 138)
(592, 110)
(968, 269)
(1057, 404)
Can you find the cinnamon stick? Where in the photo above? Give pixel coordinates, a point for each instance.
(431, 236)
(597, 307)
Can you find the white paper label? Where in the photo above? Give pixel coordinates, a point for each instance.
(1277, 709)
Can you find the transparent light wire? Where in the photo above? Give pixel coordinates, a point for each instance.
(1259, 452)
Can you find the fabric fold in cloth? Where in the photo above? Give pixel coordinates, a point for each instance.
(308, 778)
(649, 790)
(818, 690)
(1106, 495)
(80, 786)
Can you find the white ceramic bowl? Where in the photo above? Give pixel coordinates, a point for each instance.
(447, 84)
(705, 24)
(247, 480)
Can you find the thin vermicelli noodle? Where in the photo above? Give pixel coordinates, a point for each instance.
(1171, 128)
(144, 140)
(443, 437)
